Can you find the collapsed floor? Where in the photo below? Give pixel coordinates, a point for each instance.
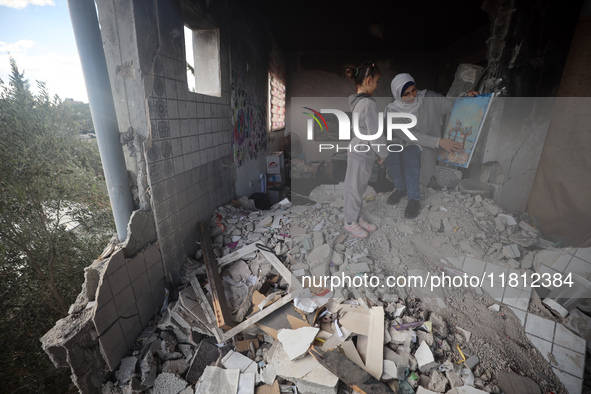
(374, 339)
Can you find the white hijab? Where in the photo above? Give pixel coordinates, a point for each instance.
(400, 106)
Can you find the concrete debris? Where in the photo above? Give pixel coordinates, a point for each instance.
(425, 358)
(297, 342)
(126, 370)
(218, 380)
(441, 341)
(511, 251)
(167, 383)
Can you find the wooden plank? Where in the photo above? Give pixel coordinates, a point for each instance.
(230, 258)
(257, 316)
(206, 306)
(374, 360)
(350, 373)
(223, 314)
(283, 271)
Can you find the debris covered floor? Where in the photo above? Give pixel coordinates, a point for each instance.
(240, 323)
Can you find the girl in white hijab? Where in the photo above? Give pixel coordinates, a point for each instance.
(416, 163)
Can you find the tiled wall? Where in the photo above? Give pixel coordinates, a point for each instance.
(189, 162)
(130, 292)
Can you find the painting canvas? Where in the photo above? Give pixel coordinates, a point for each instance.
(464, 126)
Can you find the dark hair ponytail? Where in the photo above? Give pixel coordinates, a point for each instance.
(359, 73)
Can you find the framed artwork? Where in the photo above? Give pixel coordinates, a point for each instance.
(464, 126)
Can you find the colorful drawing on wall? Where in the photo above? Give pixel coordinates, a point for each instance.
(249, 121)
(464, 126)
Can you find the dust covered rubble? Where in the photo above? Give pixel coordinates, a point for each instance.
(464, 344)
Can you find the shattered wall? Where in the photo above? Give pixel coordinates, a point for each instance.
(122, 292)
(179, 148)
(527, 51)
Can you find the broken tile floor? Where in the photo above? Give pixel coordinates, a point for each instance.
(455, 233)
(562, 348)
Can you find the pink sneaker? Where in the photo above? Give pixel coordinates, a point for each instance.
(355, 230)
(370, 227)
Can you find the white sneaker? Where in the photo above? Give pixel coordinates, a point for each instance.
(370, 227)
(355, 230)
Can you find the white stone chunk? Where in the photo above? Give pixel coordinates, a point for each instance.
(297, 342)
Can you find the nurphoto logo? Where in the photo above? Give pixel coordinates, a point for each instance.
(345, 130)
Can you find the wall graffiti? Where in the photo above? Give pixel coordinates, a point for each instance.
(248, 117)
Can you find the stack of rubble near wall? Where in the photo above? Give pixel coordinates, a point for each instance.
(423, 349)
(120, 295)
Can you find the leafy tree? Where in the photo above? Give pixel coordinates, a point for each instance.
(55, 218)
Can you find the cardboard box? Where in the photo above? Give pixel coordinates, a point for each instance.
(275, 163)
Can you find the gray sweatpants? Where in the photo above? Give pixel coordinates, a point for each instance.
(356, 180)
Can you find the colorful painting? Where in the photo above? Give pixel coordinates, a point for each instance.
(249, 121)
(464, 126)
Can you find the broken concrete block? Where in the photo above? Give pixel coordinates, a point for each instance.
(126, 370)
(425, 358)
(235, 360)
(511, 251)
(148, 369)
(454, 379)
(268, 374)
(297, 342)
(438, 382)
(472, 361)
(403, 337)
(318, 381)
(390, 370)
(319, 259)
(401, 360)
(306, 372)
(246, 383)
(425, 336)
(439, 325)
(523, 240)
(495, 307)
(179, 366)
(317, 239)
(465, 334)
(186, 350)
(167, 383)
(218, 380)
(527, 261)
(239, 270)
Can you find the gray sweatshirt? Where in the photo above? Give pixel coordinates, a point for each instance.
(367, 109)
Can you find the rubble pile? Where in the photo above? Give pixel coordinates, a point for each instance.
(244, 324)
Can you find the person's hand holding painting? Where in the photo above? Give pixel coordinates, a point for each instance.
(450, 145)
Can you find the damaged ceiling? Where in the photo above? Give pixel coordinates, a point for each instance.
(379, 26)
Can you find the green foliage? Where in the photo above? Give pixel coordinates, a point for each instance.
(48, 183)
